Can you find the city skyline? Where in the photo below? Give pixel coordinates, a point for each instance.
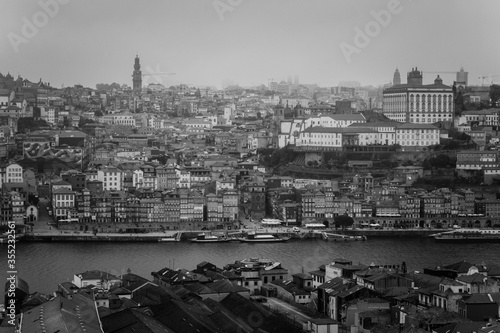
(247, 43)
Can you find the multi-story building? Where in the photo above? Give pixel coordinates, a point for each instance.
(63, 205)
(215, 209)
(487, 117)
(149, 176)
(222, 184)
(75, 178)
(191, 206)
(289, 130)
(409, 206)
(161, 177)
(13, 174)
(230, 206)
(320, 137)
(415, 102)
(111, 178)
(172, 207)
(171, 178)
(476, 159)
(183, 178)
(138, 178)
(82, 205)
(413, 136)
(386, 132)
(152, 211)
(199, 175)
(489, 208)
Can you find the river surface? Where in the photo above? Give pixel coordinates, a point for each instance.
(44, 265)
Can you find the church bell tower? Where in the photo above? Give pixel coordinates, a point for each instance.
(137, 76)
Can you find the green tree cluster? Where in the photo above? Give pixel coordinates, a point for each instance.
(29, 124)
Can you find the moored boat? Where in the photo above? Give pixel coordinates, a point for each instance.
(203, 238)
(342, 238)
(469, 236)
(262, 238)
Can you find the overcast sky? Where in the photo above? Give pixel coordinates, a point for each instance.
(212, 42)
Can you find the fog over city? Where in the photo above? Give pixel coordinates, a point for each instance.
(219, 42)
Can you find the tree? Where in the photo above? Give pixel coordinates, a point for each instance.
(84, 121)
(29, 124)
(67, 122)
(343, 221)
(459, 104)
(98, 113)
(494, 94)
(108, 87)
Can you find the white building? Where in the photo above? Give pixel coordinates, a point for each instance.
(198, 124)
(118, 119)
(138, 178)
(102, 280)
(488, 117)
(183, 178)
(386, 131)
(415, 136)
(63, 203)
(48, 113)
(415, 102)
(111, 178)
(13, 174)
(290, 129)
(320, 137)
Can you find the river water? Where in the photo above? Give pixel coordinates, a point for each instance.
(44, 265)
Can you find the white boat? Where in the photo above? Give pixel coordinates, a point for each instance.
(203, 238)
(263, 238)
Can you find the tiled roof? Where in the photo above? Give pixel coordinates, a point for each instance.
(416, 126)
(63, 315)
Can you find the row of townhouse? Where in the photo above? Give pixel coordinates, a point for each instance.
(482, 163)
(160, 177)
(487, 117)
(296, 206)
(120, 211)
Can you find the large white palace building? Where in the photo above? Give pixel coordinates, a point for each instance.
(415, 102)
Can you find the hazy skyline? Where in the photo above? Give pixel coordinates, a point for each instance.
(208, 42)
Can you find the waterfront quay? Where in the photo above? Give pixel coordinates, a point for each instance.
(54, 235)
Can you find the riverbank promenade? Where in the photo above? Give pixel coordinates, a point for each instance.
(53, 234)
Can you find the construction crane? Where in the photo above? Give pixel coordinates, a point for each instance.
(487, 76)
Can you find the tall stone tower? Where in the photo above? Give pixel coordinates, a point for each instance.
(462, 77)
(137, 76)
(415, 77)
(397, 78)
